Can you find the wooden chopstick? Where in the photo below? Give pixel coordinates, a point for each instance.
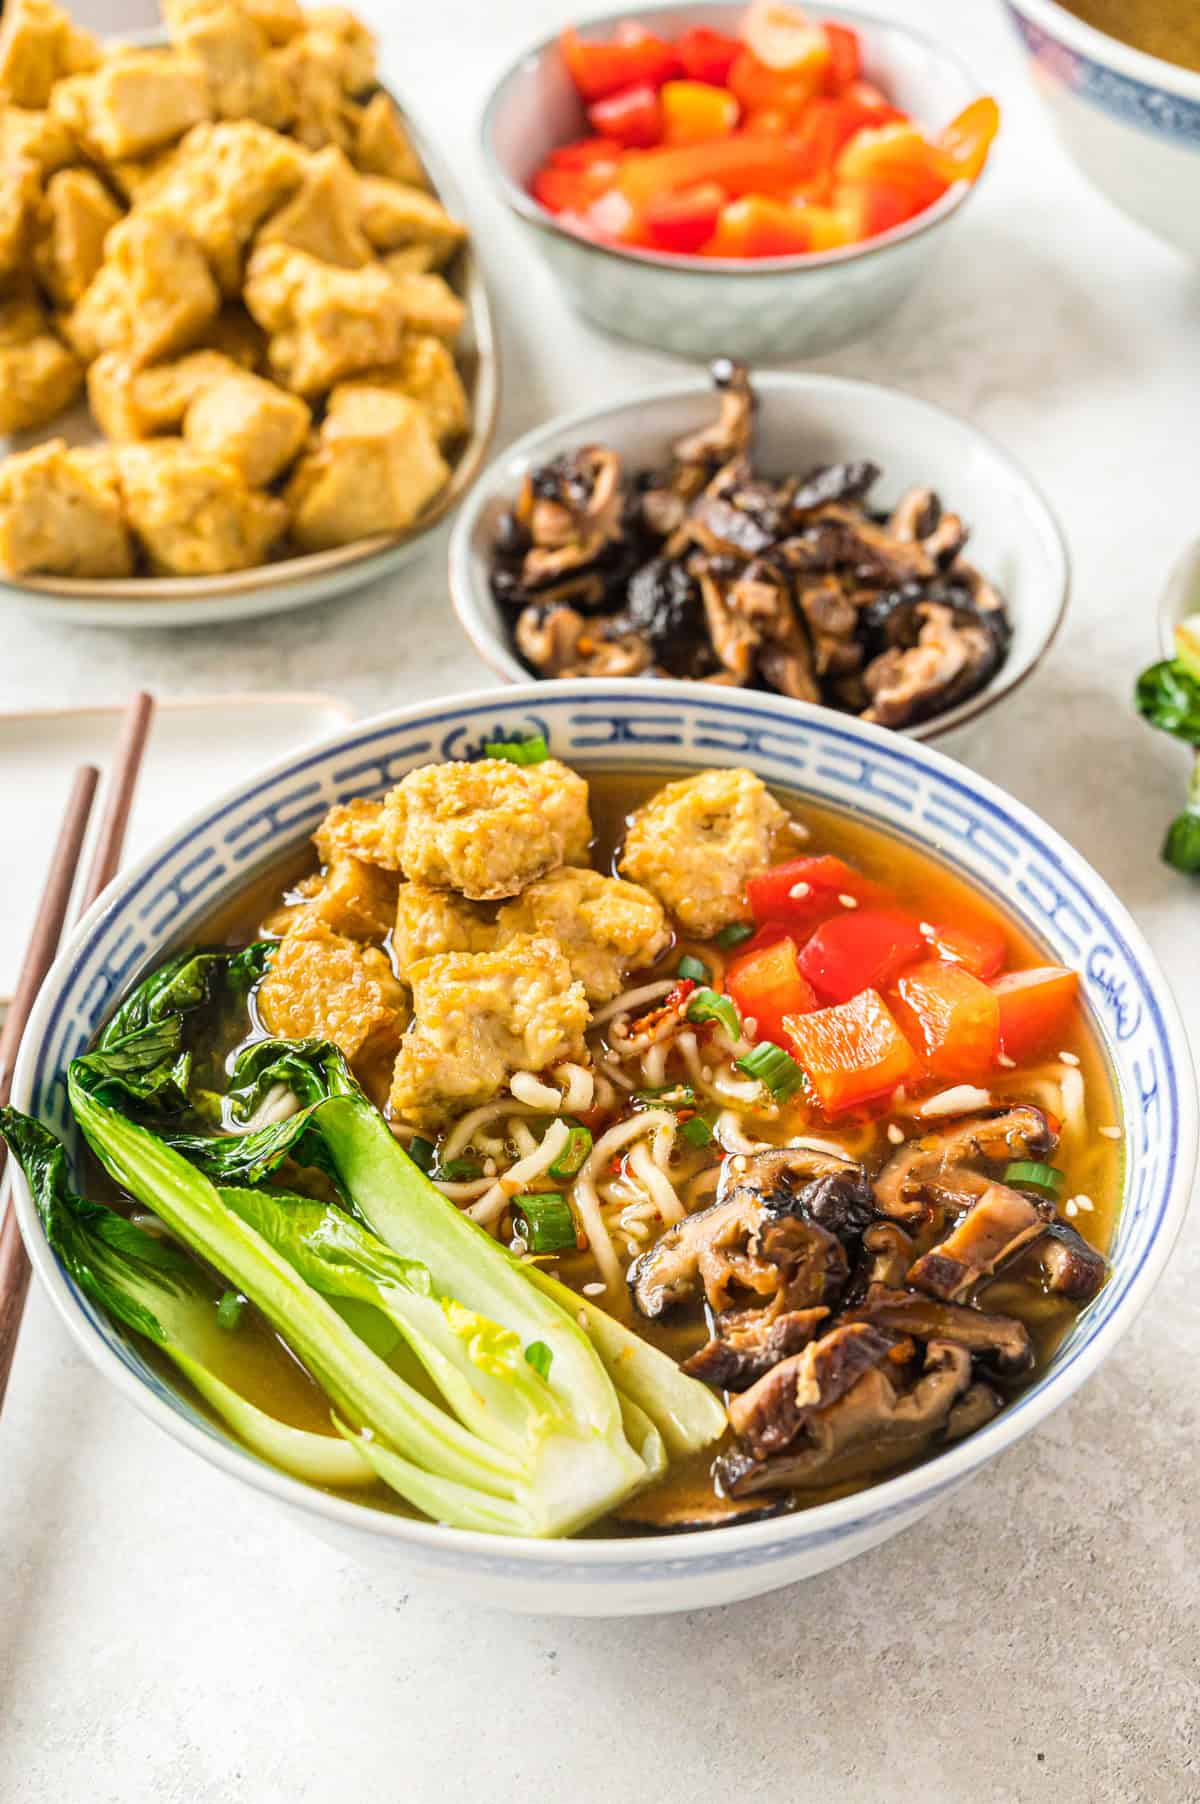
(51, 916)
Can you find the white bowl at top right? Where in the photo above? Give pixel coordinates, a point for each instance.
(1131, 121)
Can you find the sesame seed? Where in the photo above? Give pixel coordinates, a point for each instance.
(1072, 1207)
(1006, 1063)
(798, 891)
(489, 1168)
(1110, 1133)
(1068, 1058)
(848, 901)
(926, 928)
(895, 1133)
(750, 1024)
(517, 1245)
(367, 1432)
(1080, 1202)
(581, 1317)
(593, 1290)
(739, 1164)
(706, 1073)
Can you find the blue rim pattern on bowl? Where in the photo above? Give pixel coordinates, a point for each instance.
(912, 793)
(1134, 102)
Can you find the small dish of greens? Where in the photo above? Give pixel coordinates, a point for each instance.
(1168, 697)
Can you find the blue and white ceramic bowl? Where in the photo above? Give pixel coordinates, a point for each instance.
(765, 310)
(1131, 121)
(901, 787)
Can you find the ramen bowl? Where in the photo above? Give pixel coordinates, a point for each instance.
(1130, 121)
(892, 785)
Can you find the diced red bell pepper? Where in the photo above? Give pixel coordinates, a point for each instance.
(693, 112)
(757, 226)
(631, 117)
(582, 153)
(845, 56)
(784, 37)
(707, 55)
(562, 190)
(766, 983)
(978, 945)
(806, 891)
(777, 90)
(952, 1018)
(632, 56)
(1036, 1007)
(852, 1054)
(894, 168)
(741, 164)
(961, 150)
(861, 949)
(685, 221)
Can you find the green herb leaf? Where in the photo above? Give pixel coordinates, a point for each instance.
(697, 1130)
(706, 1005)
(519, 751)
(734, 934)
(539, 1356)
(774, 1067)
(1168, 696)
(423, 1153)
(545, 1221)
(574, 1155)
(694, 968)
(230, 1310)
(459, 1171)
(1031, 1174)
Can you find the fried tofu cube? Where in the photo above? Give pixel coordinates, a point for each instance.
(237, 336)
(232, 48)
(75, 217)
(352, 898)
(605, 927)
(695, 843)
(432, 921)
(381, 146)
(429, 304)
(478, 1018)
(251, 423)
(135, 102)
(410, 259)
(39, 45)
(20, 198)
(39, 375)
(321, 113)
(349, 41)
(60, 514)
(486, 829)
(128, 403)
(374, 467)
(354, 829)
(194, 514)
(426, 372)
(394, 214)
(325, 323)
(321, 985)
(152, 295)
(35, 133)
(279, 20)
(224, 180)
(322, 217)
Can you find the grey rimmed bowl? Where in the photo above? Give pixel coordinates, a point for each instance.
(768, 309)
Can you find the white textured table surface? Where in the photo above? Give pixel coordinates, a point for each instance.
(163, 1637)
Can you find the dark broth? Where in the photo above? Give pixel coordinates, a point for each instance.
(1169, 29)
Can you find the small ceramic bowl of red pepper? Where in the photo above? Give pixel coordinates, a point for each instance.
(755, 180)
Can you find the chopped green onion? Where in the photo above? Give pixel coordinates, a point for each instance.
(519, 751)
(681, 1095)
(574, 1154)
(539, 1356)
(706, 1005)
(774, 1067)
(1031, 1175)
(545, 1221)
(734, 934)
(697, 1130)
(229, 1310)
(695, 968)
(460, 1171)
(423, 1153)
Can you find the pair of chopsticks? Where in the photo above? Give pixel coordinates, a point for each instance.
(39, 956)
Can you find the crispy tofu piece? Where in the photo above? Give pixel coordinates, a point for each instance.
(280, 20)
(39, 375)
(76, 215)
(429, 304)
(233, 49)
(20, 198)
(324, 323)
(321, 113)
(60, 514)
(153, 294)
(251, 423)
(410, 259)
(321, 985)
(35, 133)
(394, 214)
(322, 217)
(374, 467)
(353, 829)
(432, 921)
(381, 146)
(137, 101)
(235, 334)
(223, 181)
(352, 898)
(39, 45)
(695, 843)
(349, 39)
(478, 1018)
(605, 927)
(194, 514)
(425, 371)
(128, 403)
(486, 829)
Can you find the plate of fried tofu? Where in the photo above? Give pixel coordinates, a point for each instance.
(247, 358)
